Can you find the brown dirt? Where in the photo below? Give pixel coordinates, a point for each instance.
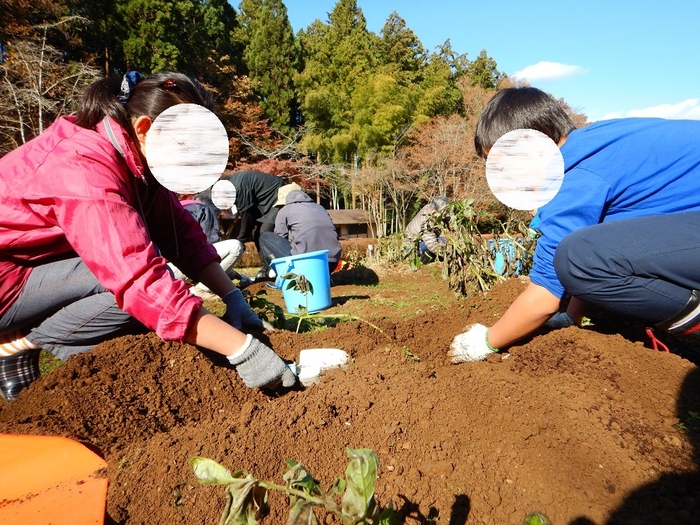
(578, 423)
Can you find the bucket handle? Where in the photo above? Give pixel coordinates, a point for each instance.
(290, 265)
(278, 279)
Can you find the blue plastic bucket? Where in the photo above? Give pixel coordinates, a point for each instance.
(313, 266)
(505, 252)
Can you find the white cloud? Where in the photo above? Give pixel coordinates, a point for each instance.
(543, 71)
(688, 109)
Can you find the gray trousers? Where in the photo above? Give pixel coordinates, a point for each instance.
(65, 310)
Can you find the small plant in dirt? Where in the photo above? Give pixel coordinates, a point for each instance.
(301, 322)
(691, 423)
(468, 256)
(407, 353)
(351, 500)
(48, 362)
(536, 518)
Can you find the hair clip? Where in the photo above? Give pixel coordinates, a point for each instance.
(169, 84)
(129, 82)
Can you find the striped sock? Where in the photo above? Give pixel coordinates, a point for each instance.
(15, 342)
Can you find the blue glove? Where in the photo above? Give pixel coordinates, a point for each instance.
(238, 311)
(260, 367)
(559, 320)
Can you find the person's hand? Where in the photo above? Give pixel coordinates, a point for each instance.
(559, 320)
(472, 345)
(260, 367)
(238, 311)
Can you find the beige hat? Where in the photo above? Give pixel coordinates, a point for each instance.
(283, 191)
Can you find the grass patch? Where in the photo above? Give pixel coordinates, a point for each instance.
(48, 362)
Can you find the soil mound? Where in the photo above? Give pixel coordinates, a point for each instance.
(584, 425)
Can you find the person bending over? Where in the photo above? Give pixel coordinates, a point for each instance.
(301, 226)
(622, 233)
(426, 229)
(229, 250)
(86, 235)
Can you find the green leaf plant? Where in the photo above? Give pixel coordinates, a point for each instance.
(468, 257)
(536, 518)
(351, 500)
(303, 321)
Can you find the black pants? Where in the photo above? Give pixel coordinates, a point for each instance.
(643, 268)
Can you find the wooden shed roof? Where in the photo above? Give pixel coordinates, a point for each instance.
(348, 217)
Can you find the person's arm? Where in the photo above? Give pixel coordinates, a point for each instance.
(528, 312)
(281, 226)
(209, 331)
(577, 310)
(431, 240)
(257, 365)
(214, 278)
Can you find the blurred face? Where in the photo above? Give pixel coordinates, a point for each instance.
(186, 147)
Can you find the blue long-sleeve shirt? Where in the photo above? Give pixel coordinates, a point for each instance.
(614, 170)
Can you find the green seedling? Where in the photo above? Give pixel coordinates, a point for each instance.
(303, 321)
(409, 354)
(536, 518)
(48, 363)
(351, 500)
(691, 423)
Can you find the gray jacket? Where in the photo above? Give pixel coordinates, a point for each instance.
(307, 226)
(425, 220)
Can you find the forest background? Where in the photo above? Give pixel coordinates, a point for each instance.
(363, 120)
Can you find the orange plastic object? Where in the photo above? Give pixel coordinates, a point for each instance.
(50, 480)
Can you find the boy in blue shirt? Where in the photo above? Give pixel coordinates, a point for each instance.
(622, 233)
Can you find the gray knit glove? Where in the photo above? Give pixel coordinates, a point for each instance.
(260, 367)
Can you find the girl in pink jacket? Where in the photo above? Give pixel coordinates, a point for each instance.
(86, 232)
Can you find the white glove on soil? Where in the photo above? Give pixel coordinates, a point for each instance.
(472, 345)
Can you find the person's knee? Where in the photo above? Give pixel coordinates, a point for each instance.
(230, 248)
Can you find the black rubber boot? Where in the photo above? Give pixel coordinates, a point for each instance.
(17, 372)
(685, 323)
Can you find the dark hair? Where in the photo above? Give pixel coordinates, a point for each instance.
(520, 108)
(149, 98)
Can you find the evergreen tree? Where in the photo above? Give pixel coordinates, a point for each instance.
(483, 72)
(191, 36)
(439, 92)
(339, 57)
(400, 50)
(271, 58)
(100, 40)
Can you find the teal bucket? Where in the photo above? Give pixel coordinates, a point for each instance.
(505, 252)
(313, 266)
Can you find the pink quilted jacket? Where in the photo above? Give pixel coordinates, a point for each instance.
(70, 191)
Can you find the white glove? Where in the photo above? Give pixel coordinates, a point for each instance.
(559, 320)
(472, 345)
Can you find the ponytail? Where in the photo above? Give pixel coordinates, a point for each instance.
(148, 97)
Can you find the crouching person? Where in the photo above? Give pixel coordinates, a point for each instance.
(86, 235)
(427, 230)
(622, 233)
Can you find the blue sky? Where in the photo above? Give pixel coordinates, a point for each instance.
(605, 58)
